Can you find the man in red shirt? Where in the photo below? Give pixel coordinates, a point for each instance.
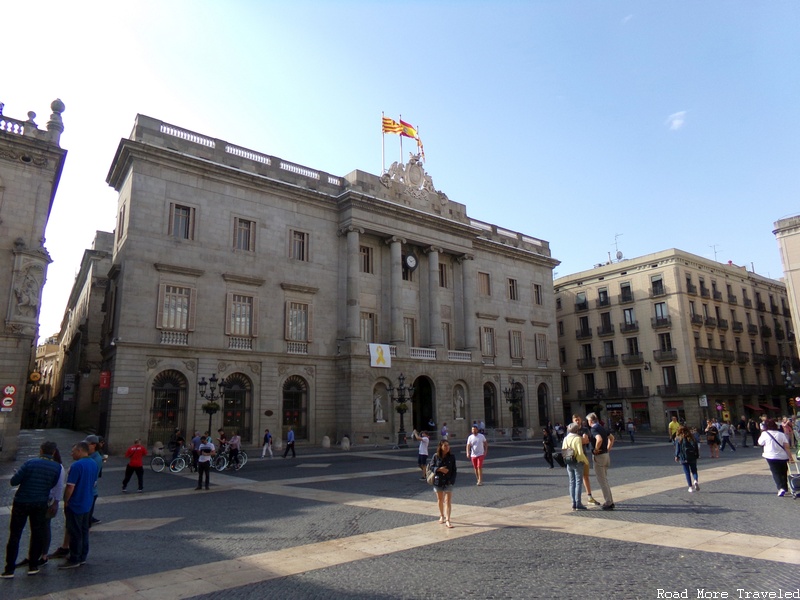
(134, 454)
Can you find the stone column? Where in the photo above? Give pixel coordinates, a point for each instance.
(469, 289)
(396, 288)
(434, 302)
(353, 283)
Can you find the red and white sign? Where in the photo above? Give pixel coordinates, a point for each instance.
(8, 402)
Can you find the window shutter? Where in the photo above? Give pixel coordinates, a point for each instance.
(286, 309)
(229, 314)
(374, 327)
(192, 308)
(310, 321)
(254, 322)
(162, 288)
(171, 218)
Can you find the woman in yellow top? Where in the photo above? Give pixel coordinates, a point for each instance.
(574, 442)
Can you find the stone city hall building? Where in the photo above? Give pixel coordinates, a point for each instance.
(277, 277)
(674, 334)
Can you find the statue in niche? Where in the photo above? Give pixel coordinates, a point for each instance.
(458, 403)
(27, 293)
(378, 404)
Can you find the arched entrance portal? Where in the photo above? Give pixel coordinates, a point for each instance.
(544, 411)
(295, 406)
(423, 404)
(490, 405)
(168, 406)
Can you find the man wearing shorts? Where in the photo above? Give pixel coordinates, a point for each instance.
(477, 447)
(422, 453)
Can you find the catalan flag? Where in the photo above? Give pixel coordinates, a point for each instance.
(408, 130)
(391, 126)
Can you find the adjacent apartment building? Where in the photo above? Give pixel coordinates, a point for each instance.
(31, 161)
(673, 334)
(277, 277)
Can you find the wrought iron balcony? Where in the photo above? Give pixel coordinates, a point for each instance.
(603, 330)
(614, 393)
(737, 326)
(702, 353)
(787, 312)
(723, 324)
(697, 320)
(705, 292)
(601, 302)
(742, 358)
(717, 295)
(759, 359)
(626, 298)
(661, 322)
(766, 331)
(629, 327)
(633, 359)
(732, 299)
(760, 306)
(752, 329)
(779, 335)
(747, 303)
(774, 309)
(586, 363)
(583, 334)
(691, 289)
(710, 322)
(665, 355)
(581, 306)
(609, 361)
(658, 290)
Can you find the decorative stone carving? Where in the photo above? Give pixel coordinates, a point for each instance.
(458, 402)
(309, 371)
(255, 368)
(190, 365)
(412, 180)
(222, 366)
(378, 408)
(152, 363)
(282, 370)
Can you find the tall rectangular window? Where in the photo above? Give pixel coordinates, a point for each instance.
(299, 247)
(484, 284)
(244, 233)
(537, 294)
(409, 331)
(365, 253)
(443, 280)
(661, 310)
(175, 308)
(241, 315)
(369, 324)
(487, 341)
(630, 316)
(665, 341)
(121, 223)
(515, 343)
(297, 322)
(181, 222)
(513, 292)
(541, 347)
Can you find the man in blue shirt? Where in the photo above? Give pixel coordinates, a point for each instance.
(78, 500)
(95, 444)
(35, 479)
(289, 443)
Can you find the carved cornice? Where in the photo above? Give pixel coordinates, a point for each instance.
(178, 270)
(487, 316)
(243, 279)
(303, 289)
(517, 321)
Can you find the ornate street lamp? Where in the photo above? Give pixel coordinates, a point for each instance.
(514, 396)
(212, 406)
(402, 395)
(788, 377)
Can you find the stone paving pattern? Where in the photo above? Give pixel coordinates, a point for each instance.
(361, 524)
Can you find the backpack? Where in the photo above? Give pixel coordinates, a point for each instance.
(568, 454)
(690, 450)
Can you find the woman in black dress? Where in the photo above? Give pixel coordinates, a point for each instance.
(443, 464)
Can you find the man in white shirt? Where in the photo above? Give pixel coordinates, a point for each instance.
(422, 453)
(206, 451)
(477, 448)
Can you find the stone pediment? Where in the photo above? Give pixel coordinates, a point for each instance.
(414, 186)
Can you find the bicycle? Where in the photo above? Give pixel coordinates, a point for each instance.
(157, 463)
(180, 462)
(225, 454)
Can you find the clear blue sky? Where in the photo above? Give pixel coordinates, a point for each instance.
(673, 124)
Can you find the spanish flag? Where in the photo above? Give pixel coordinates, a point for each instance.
(408, 130)
(391, 126)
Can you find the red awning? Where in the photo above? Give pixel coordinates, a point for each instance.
(769, 407)
(674, 404)
(751, 407)
(638, 405)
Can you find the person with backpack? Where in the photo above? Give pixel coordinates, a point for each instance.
(712, 439)
(686, 453)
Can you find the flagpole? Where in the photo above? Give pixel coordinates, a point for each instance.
(383, 147)
(401, 143)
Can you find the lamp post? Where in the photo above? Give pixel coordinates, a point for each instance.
(402, 395)
(212, 406)
(514, 396)
(788, 377)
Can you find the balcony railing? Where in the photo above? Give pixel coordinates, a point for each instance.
(742, 358)
(747, 303)
(732, 299)
(723, 324)
(629, 327)
(633, 359)
(691, 289)
(787, 313)
(581, 306)
(702, 353)
(752, 329)
(697, 320)
(665, 355)
(728, 356)
(705, 292)
(760, 306)
(603, 330)
(582, 334)
(774, 309)
(601, 302)
(240, 343)
(779, 335)
(614, 393)
(174, 338)
(717, 296)
(586, 363)
(459, 355)
(422, 353)
(661, 322)
(658, 290)
(626, 298)
(296, 348)
(710, 322)
(766, 331)
(759, 359)
(720, 389)
(737, 326)
(609, 361)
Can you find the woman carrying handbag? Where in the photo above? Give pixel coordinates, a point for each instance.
(443, 467)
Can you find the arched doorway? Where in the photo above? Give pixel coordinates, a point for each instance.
(295, 406)
(490, 405)
(518, 415)
(544, 404)
(237, 407)
(423, 404)
(168, 408)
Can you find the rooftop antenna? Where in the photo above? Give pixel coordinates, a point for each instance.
(616, 246)
(714, 248)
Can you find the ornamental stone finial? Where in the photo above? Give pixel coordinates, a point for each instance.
(55, 125)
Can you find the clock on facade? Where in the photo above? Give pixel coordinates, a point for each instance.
(411, 261)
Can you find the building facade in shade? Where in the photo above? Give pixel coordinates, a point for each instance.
(787, 232)
(31, 161)
(277, 278)
(673, 334)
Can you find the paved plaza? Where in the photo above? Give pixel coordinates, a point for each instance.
(361, 525)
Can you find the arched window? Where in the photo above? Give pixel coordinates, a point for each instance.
(238, 406)
(168, 410)
(490, 405)
(295, 406)
(544, 404)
